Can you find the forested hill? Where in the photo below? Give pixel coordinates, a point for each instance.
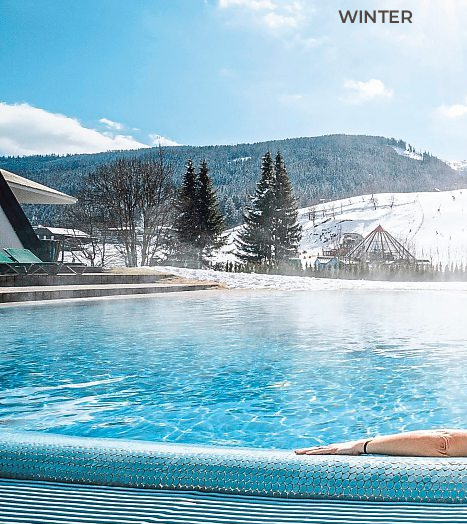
(327, 167)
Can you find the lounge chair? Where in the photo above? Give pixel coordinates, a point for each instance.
(34, 264)
(9, 266)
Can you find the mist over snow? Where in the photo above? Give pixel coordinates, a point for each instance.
(432, 225)
(303, 283)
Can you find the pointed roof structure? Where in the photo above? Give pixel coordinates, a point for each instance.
(379, 247)
(15, 229)
(29, 192)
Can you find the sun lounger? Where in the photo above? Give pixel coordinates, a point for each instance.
(34, 264)
(9, 266)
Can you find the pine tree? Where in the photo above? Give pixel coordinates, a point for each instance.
(287, 231)
(210, 220)
(255, 240)
(187, 223)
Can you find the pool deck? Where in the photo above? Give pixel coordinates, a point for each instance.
(33, 288)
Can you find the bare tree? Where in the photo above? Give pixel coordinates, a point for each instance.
(131, 199)
(92, 218)
(157, 210)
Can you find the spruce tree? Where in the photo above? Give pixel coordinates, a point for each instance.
(270, 234)
(210, 220)
(287, 231)
(187, 223)
(255, 240)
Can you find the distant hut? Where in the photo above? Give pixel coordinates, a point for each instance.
(348, 242)
(69, 239)
(327, 263)
(380, 247)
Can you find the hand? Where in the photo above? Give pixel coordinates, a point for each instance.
(354, 447)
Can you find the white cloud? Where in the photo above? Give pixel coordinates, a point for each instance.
(272, 14)
(360, 92)
(28, 130)
(276, 21)
(158, 140)
(255, 5)
(287, 20)
(306, 42)
(453, 112)
(117, 126)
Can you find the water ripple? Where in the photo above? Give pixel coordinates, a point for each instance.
(264, 369)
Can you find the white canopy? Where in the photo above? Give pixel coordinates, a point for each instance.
(29, 192)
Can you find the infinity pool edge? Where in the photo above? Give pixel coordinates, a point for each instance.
(238, 471)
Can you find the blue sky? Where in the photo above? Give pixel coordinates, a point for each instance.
(90, 75)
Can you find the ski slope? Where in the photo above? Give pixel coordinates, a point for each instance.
(432, 225)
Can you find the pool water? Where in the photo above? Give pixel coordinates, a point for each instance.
(256, 369)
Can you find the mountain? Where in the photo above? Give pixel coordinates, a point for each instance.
(431, 225)
(326, 167)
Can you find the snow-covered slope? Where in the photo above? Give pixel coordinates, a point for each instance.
(409, 153)
(460, 166)
(431, 225)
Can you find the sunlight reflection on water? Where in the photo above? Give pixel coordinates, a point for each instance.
(264, 369)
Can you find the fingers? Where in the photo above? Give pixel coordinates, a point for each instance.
(317, 450)
(321, 450)
(304, 451)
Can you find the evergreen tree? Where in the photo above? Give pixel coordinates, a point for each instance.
(187, 224)
(210, 220)
(255, 240)
(270, 233)
(287, 231)
(199, 223)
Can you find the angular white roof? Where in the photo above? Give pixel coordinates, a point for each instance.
(63, 231)
(29, 192)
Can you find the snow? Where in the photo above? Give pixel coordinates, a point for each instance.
(457, 165)
(432, 225)
(407, 153)
(64, 231)
(240, 159)
(285, 283)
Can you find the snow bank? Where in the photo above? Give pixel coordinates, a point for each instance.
(258, 281)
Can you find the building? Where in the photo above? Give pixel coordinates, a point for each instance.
(380, 248)
(68, 239)
(347, 242)
(15, 229)
(328, 263)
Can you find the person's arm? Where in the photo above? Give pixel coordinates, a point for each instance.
(430, 443)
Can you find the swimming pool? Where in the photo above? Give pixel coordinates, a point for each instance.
(269, 370)
(238, 369)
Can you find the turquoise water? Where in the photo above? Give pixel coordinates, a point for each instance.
(262, 369)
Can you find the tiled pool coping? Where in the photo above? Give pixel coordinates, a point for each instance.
(32, 456)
